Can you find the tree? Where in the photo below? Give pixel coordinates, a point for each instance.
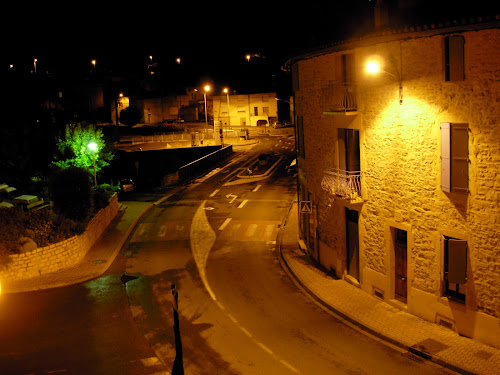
(74, 151)
(71, 192)
(130, 116)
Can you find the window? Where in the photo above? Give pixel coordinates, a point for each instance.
(265, 110)
(255, 111)
(454, 267)
(454, 157)
(454, 58)
(349, 155)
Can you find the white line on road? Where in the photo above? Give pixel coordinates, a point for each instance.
(226, 222)
(265, 348)
(215, 192)
(233, 196)
(243, 203)
(256, 188)
(286, 364)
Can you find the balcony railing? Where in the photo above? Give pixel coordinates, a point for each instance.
(338, 97)
(345, 184)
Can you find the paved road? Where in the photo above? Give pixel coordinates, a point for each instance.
(239, 312)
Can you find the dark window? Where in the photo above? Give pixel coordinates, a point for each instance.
(455, 268)
(454, 58)
(349, 156)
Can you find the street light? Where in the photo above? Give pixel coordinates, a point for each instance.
(373, 67)
(93, 64)
(93, 146)
(207, 89)
(226, 91)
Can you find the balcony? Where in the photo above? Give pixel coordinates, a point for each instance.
(344, 184)
(338, 98)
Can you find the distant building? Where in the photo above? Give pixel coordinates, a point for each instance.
(245, 109)
(402, 167)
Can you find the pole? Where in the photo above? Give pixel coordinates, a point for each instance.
(206, 117)
(93, 159)
(178, 368)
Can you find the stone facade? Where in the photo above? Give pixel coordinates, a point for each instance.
(63, 254)
(400, 151)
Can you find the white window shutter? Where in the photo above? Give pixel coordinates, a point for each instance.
(445, 157)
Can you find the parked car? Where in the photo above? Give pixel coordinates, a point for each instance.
(125, 185)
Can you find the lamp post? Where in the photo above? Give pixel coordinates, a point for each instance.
(207, 89)
(93, 146)
(373, 67)
(93, 64)
(226, 90)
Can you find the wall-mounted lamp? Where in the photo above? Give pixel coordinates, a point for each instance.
(373, 67)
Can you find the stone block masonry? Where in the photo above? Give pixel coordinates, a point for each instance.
(63, 254)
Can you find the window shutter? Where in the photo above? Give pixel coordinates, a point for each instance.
(445, 157)
(459, 157)
(456, 57)
(457, 261)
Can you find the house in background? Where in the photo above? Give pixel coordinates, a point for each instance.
(259, 109)
(399, 152)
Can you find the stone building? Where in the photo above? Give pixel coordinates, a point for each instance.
(260, 109)
(401, 165)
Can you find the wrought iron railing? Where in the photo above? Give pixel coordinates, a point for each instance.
(345, 184)
(338, 97)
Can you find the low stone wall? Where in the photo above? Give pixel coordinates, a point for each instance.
(63, 254)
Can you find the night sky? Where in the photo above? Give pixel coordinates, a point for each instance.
(212, 38)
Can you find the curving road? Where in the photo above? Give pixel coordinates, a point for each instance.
(239, 312)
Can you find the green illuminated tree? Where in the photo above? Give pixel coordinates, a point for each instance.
(74, 149)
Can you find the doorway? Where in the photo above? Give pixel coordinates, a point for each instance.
(352, 237)
(400, 264)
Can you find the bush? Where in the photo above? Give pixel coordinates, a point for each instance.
(102, 193)
(71, 193)
(65, 228)
(11, 228)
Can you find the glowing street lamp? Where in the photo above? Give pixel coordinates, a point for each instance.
(34, 63)
(207, 89)
(93, 62)
(373, 67)
(93, 147)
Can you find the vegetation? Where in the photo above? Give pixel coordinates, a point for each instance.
(74, 149)
(71, 192)
(130, 116)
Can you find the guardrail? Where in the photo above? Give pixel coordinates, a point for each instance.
(200, 164)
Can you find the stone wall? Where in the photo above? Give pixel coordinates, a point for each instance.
(63, 254)
(400, 151)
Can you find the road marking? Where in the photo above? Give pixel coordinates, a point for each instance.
(162, 231)
(215, 192)
(231, 195)
(226, 222)
(245, 331)
(256, 188)
(251, 230)
(243, 203)
(265, 348)
(289, 366)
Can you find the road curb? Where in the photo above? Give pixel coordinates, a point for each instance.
(346, 318)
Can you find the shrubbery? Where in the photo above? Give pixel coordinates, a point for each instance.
(74, 203)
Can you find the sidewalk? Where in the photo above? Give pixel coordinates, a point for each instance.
(426, 339)
(97, 260)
